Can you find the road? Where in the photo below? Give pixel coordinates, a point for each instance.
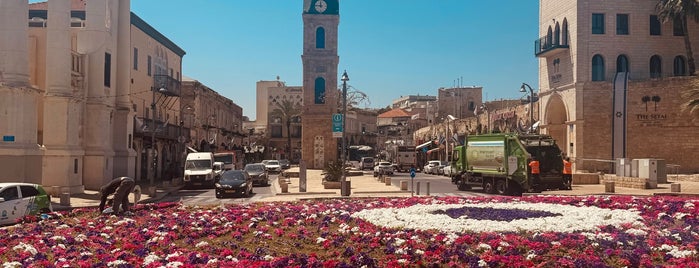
(206, 196)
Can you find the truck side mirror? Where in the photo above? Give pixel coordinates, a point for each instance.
(2, 199)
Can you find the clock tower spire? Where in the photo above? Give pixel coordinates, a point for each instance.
(320, 23)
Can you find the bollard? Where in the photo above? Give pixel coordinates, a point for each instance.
(427, 190)
(417, 190)
(403, 185)
(388, 181)
(65, 198)
(675, 187)
(608, 186)
(283, 185)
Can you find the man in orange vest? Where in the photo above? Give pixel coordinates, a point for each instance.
(534, 169)
(567, 174)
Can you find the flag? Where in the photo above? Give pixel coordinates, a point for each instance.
(456, 138)
(441, 140)
(475, 111)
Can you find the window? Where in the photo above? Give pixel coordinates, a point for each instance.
(107, 70)
(296, 131)
(149, 65)
(471, 105)
(564, 33)
(655, 67)
(679, 66)
(677, 27)
(597, 68)
(319, 92)
(320, 37)
(10, 193)
(276, 131)
(557, 35)
(28, 191)
(622, 24)
(622, 64)
(654, 25)
(597, 23)
(75, 166)
(135, 58)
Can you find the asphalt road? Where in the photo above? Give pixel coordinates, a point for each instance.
(206, 196)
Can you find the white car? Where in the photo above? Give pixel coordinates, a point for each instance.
(447, 170)
(385, 167)
(431, 167)
(20, 199)
(272, 166)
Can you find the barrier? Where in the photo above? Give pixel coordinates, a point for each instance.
(675, 187)
(388, 181)
(608, 186)
(403, 185)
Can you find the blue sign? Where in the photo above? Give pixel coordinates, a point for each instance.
(412, 173)
(8, 138)
(337, 122)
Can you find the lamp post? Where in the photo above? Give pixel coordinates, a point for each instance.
(344, 191)
(531, 105)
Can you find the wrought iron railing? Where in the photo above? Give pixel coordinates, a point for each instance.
(547, 43)
(166, 85)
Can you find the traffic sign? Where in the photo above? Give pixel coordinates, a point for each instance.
(337, 122)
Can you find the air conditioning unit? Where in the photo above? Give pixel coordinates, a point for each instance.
(622, 167)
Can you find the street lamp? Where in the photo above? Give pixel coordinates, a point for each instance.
(531, 105)
(345, 191)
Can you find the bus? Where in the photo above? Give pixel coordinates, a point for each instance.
(230, 160)
(356, 152)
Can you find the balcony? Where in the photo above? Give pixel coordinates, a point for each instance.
(163, 130)
(166, 85)
(77, 71)
(546, 45)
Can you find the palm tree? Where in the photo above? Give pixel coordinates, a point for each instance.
(680, 11)
(692, 97)
(645, 101)
(287, 111)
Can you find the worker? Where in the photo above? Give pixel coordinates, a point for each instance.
(567, 174)
(120, 187)
(534, 169)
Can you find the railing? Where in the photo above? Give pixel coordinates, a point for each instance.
(546, 44)
(169, 131)
(166, 85)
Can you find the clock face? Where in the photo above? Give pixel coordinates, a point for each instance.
(321, 6)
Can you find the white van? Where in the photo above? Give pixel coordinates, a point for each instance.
(199, 169)
(366, 163)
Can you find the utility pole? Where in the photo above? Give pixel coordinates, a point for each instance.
(344, 185)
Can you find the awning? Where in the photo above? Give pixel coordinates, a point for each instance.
(422, 145)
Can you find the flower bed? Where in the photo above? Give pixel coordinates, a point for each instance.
(594, 231)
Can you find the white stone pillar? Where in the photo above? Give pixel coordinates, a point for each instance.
(63, 158)
(124, 153)
(20, 156)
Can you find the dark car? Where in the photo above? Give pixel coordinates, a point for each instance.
(285, 163)
(258, 173)
(234, 182)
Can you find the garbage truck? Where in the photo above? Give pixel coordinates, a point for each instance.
(498, 163)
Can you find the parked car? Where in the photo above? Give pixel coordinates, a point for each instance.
(439, 170)
(431, 167)
(272, 166)
(383, 167)
(234, 182)
(258, 173)
(447, 171)
(20, 199)
(285, 164)
(366, 163)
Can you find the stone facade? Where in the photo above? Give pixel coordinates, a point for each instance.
(577, 97)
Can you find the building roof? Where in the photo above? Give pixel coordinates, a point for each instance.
(394, 113)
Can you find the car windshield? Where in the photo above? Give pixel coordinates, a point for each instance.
(273, 162)
(254, 168)
(284, 162)
(198, 164)
(384, 164)
(232, 176)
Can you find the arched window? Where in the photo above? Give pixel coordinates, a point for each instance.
(320, 37)
(680, 67)
(597, 68)
(622, 64)
(549, 38)
(564, 33)
(656, 68)
(319, 97)
(557, 35)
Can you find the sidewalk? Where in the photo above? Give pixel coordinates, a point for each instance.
(366, 185)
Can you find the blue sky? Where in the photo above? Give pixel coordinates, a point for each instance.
(390, 48)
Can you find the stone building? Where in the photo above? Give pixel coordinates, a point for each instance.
(611, 78)
(78, 92)
(459, 102)
(270, 96)
(320, 80)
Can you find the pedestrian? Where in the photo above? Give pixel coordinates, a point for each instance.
(567, 174)
(534, 169)
(120, 187)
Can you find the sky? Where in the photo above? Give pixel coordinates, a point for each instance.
(389, 48)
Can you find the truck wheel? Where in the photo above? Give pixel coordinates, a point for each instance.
(501, 187)
(463, 186)
(488, 187)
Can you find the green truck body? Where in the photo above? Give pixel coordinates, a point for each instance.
(499, 163)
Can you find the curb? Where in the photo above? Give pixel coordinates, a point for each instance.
(144, 201)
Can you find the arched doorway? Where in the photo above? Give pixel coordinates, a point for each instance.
(556, 117)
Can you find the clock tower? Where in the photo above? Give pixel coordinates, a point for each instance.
(320, 95)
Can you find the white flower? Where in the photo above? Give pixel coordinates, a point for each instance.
(482, 263)
(268, 257)
(174, 264)
(201, 244)
(13, 264)
(320, 240)
(636, 232)
(116, 263)
(419, 252)
(484, 246)
(173, 255)
(212, 261)
(26, 248)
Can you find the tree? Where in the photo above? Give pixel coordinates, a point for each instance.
(692, 97)
(679, 11)
(355, 98)
(287, 111)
